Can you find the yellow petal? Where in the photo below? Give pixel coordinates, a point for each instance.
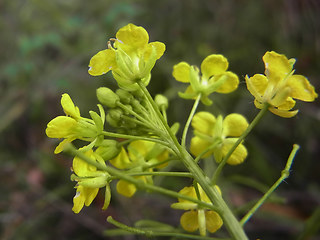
(277, 66)
(125, 188)
(181, 72)
(121, 161)
(159, 47)
(60, 127)
(257, 85)
(213, 221)
(283, 113)
(133, 35)
(189, 221)
(68, 106)
(139, 149)
(102, 62)
(301, 88)
(188, 191)
(288, 104)
(78, 200)
(81, 167)
(204, 122)
(90, 194)
(239, 154)
(234, 125)
(61, 145)
(231, 82)
(214, 64)
(198, 145)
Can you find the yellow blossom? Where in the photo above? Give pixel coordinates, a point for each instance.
(130, 59)
(217, 136)
(215, 78)
(141, 156)
(197, 218)
(89, 181)
(279, 86)
(72, 126)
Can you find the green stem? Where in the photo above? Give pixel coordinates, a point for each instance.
(138, 183)
(240, 139)
(168, 174)
(185, 130)
(284, 174)
(125, 136)
(142, 120)
(230, 221)
(152, 233)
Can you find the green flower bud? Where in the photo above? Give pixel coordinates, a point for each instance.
(161, 101)
(112, 122)
(124, 96)
(107, 97)
(108, 149)
(116, 114)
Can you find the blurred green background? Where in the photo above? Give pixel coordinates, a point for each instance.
(45, 48)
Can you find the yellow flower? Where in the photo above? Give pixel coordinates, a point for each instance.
(89, 181)
(197, 218)
(217, 135)
(130, 59)
(215, 78)
(141, 156)
(279, 86)
(72, 126)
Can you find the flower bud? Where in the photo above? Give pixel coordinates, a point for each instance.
(108, 149)
(161, 101)
(124, 96)
(107, 97)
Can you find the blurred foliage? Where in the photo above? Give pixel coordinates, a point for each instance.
(45, 49)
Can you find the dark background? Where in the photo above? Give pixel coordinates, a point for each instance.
(45, 48)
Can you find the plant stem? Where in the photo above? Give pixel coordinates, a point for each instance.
(240, 139)
(168, 174)
(284, 174)
(186, 127)
(152, 233)
(230, 221)
(125, 136)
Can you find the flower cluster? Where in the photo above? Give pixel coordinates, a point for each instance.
(140, 156)
(142, 142)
